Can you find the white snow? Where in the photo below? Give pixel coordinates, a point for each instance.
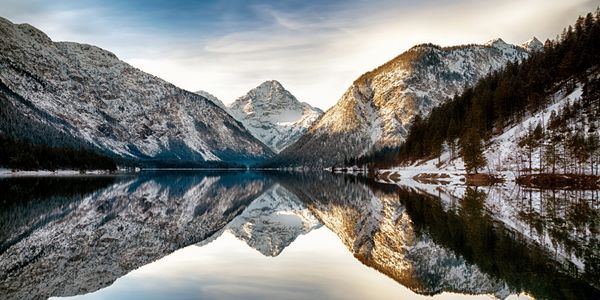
(273, 115)
(500, 152)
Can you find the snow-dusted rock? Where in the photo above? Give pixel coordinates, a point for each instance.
(212, 98)
(533, 45)
(89, 93)
(273, 115)
(377, 109)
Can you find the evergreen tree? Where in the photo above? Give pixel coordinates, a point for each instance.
(472, 151)
(593, 149)
(551, 155)
(452, 134)
(520, 89)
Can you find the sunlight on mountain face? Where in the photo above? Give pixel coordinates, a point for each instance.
(316, 266)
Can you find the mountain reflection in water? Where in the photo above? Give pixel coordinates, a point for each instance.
(231, 235)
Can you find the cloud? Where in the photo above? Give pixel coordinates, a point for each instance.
(317, 55)
(315, 48)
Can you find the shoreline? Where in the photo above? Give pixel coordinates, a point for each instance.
(8, 173)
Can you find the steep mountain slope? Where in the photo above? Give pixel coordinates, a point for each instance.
(544, 107)
(273, 115)
(377, 109)
(533, 45)
(90, 94)
(28, 144)
(212, 98)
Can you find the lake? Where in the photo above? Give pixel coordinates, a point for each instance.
(275, 235)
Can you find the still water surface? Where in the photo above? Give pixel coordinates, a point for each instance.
(244, 235)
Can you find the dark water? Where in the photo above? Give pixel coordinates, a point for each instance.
(244, 235)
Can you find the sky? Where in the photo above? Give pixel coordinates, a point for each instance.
(314, 48)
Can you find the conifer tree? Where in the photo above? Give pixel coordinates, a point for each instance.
(472, 151)
(593, 149)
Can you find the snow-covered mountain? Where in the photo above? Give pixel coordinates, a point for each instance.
(272, 114)
(87, 92)
(271, 222)
(533, 45)
(379, 106)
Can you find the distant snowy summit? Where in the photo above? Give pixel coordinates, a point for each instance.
(377, 109)
(271, 113)
(533, 45)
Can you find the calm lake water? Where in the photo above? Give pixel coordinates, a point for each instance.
(249, 235)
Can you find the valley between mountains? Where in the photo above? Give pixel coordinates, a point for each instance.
(461, 109)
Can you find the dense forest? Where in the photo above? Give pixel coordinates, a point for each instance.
(464, 124)
(19, 155)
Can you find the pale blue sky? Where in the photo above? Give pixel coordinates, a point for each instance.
(314, 48)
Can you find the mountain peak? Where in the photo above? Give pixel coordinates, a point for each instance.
(533, 44)
(377, 109)
(271, 84)
(111, 95)
(24, 32)
(268, 93)
(273, 115)
(497, 42)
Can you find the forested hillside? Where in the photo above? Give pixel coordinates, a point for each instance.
(566, 70)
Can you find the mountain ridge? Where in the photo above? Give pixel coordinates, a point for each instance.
(377, 109)
(272, 114)
(87, 92)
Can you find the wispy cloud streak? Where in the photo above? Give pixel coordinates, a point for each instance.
(315, 48)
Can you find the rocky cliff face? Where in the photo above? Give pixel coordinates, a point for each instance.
(273, 115)
(533, 45)
(90, 94)
(379, 106)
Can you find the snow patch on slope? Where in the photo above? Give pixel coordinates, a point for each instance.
(273, 115)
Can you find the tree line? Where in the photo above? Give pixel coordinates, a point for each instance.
(19, 155)
(463, 124)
